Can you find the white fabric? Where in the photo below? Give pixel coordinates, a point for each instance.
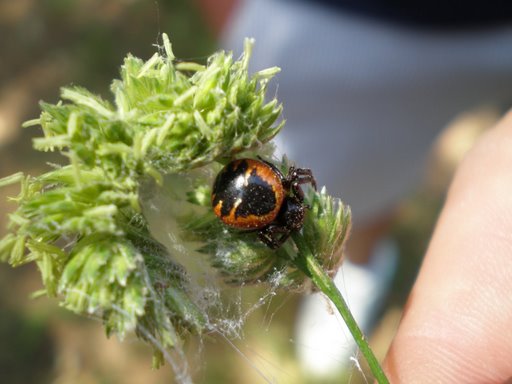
(365, 100)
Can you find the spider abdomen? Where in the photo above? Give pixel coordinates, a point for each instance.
(248, 194)
(254, 195)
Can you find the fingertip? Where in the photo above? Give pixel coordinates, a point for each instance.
(456, 324)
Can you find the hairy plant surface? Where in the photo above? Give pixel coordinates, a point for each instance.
(83, 223)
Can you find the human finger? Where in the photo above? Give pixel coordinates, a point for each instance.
(457, 324)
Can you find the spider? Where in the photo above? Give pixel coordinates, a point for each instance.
(255, 195)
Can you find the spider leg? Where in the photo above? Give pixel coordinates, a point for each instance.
(304, 176)
(297, 191)
(273, 236)
(298, 176)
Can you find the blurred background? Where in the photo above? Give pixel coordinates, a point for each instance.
(46, 44)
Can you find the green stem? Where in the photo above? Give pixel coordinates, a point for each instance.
(307, 263)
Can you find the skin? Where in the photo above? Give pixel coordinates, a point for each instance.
(457, 324)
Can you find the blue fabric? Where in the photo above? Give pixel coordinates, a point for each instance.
(429, 13)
